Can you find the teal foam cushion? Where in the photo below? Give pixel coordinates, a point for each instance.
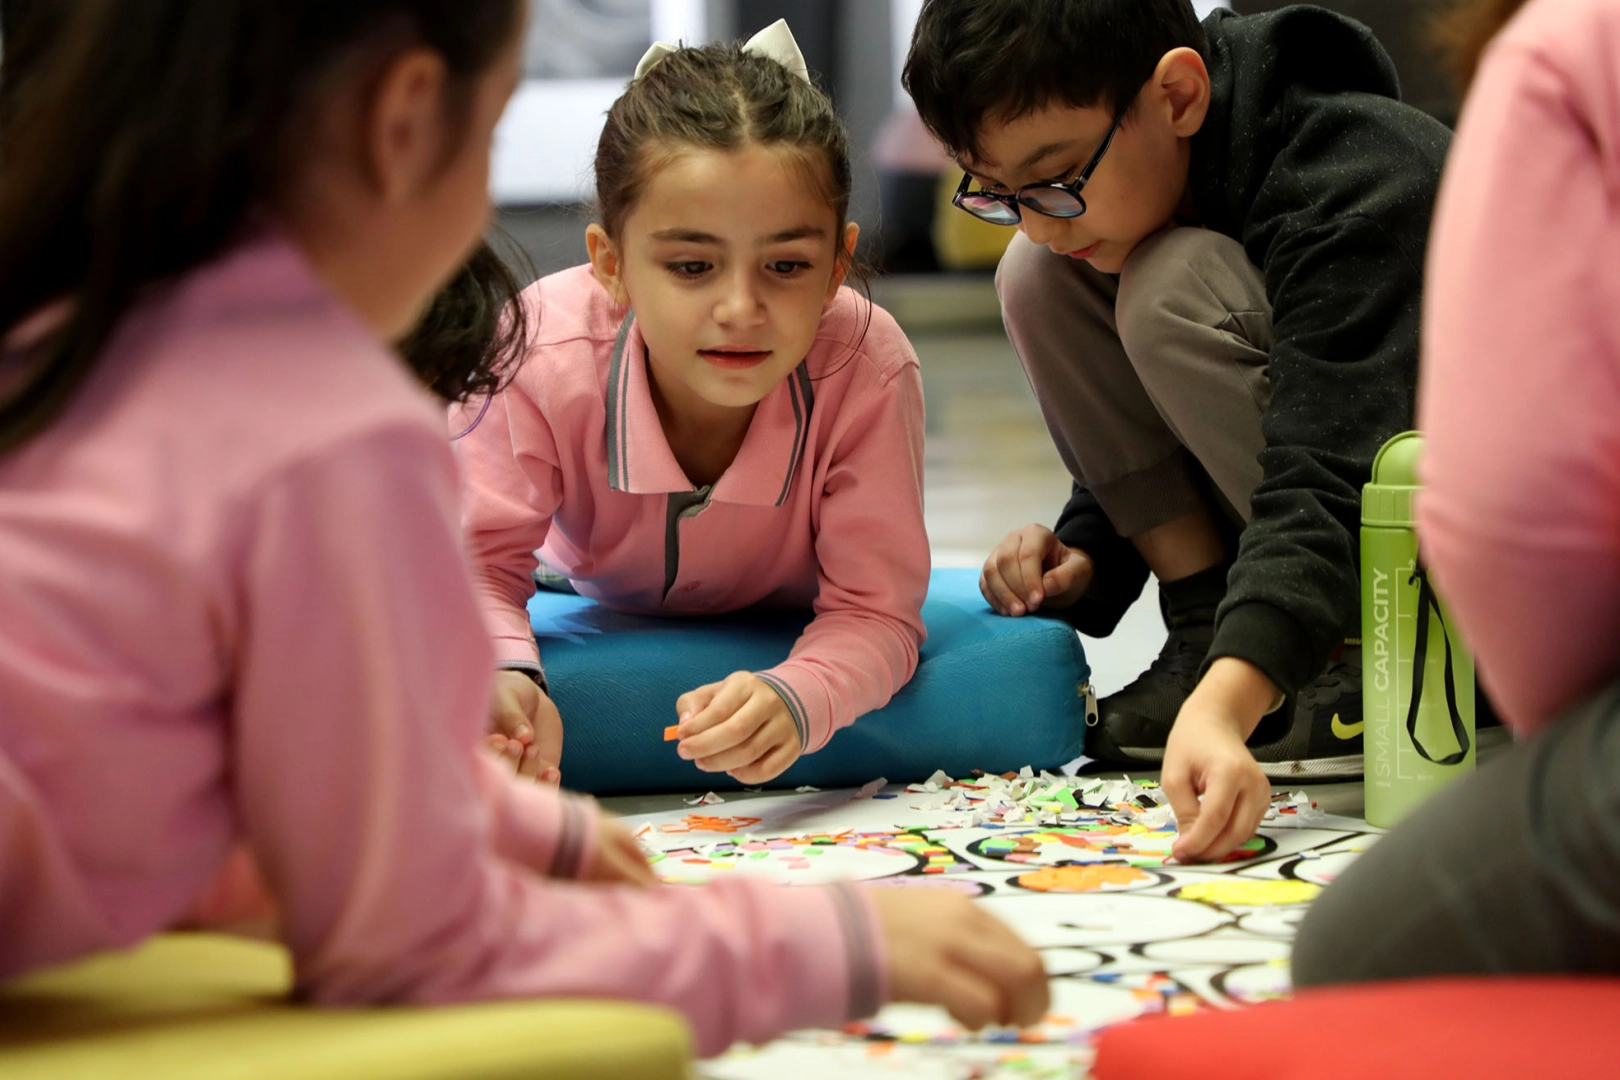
(990, 693)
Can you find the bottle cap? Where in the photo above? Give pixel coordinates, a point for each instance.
(1388, 498)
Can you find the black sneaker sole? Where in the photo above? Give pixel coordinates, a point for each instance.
(1133, 755)
(1347, 767)
(1100, 747)
(1351, 766)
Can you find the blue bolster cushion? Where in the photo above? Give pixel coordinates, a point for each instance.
(990, 692)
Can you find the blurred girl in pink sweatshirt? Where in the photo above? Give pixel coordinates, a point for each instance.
(707, 420)
(234, 607)
(1517, 868)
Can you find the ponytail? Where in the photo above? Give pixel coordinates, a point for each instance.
(473, 334)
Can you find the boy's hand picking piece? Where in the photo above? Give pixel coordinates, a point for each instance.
(739, 726)
(1032, 568)
(525, 727)
(1217, 789)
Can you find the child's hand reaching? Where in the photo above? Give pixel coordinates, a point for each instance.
(740, 727)
(1032, 567)
(619, 859)
(525, 727)
(946, 950)
(1215, 786)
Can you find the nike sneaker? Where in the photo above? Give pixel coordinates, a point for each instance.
(1324, 740)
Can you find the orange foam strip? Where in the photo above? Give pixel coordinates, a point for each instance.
(672, 733)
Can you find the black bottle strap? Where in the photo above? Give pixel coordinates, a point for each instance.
(1420, 651)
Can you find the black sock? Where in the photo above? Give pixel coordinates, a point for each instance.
(1194, 598)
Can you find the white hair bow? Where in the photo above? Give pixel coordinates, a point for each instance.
(775, 41)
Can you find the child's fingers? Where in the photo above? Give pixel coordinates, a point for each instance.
(1240, 826)
(511, 704)
(1183, 796)
(750, 750)
(1069, 574)
(995, 591)
(1066, 564)
(695, 701)
(1001, 958)
(632, 869)
(529, 762)
(1213, 814)
(548, 734)
(1031, 557)
(629, 861)
(732, 694)
(1014, 965)
(734, 733)
(1010, 566)
(971, 999)
(996, 582)
(509, 720)
(773, 764)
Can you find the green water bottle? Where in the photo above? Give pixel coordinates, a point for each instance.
(1417, 676)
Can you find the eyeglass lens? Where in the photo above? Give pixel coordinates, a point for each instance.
(1051, 201)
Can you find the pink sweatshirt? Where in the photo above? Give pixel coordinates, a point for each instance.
(1520, 394)
(821, 509)
(234, 606)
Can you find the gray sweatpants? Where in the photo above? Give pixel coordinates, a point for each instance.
(1151, 382)
(1515, 869)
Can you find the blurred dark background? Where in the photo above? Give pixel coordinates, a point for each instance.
(1404, 28)
(854, 47)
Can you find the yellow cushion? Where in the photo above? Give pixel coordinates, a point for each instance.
(186, 1006)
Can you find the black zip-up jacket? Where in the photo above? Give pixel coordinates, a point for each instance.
(1311, 162)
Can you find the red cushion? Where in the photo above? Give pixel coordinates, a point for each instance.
(1441, 1029)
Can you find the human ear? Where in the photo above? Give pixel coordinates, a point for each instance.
(1182, 82)
(846, 259)
(405, 131)
(606, 264)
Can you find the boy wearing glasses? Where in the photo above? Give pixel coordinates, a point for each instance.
(1215, 297)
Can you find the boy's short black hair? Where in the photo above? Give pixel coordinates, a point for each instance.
(973, 61)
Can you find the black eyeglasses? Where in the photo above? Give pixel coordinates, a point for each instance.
(1051, 197)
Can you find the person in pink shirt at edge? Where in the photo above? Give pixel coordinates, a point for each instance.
(708, 419)
(236, 607)
(1517, 867)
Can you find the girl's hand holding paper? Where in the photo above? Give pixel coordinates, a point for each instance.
(740, 727)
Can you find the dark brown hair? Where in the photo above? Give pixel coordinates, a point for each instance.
(974, 62)
(149, 131)
(474, 333)
(722, 98)
(1463, 32)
